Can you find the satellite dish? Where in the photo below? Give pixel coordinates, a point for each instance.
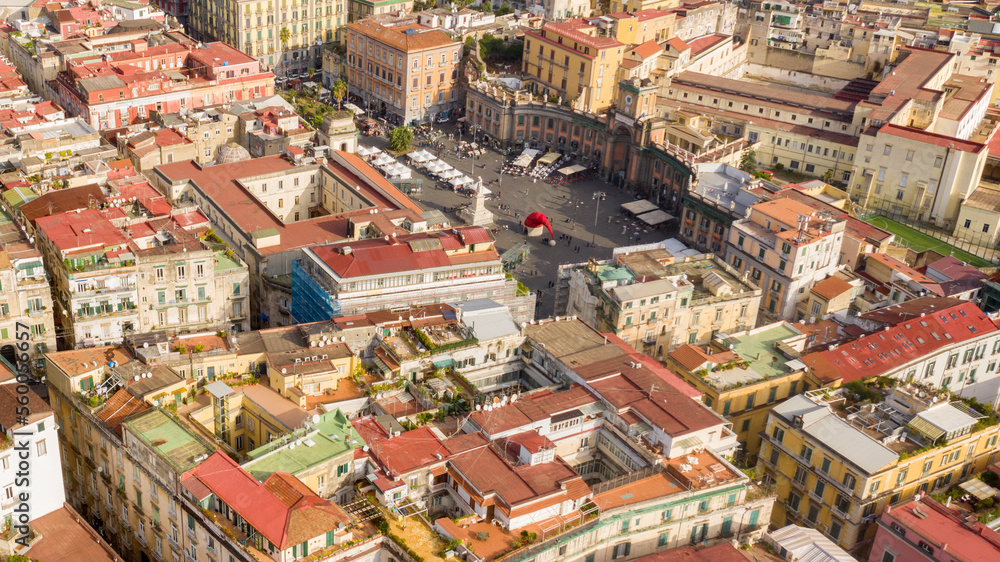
(283, 370)
(513, 397)
(100, 469)
(479, 407)
(291, 445)
(343, 338)
(322, 344)
(145, 344)
(136, 378)
(496, 399)
(315, 418)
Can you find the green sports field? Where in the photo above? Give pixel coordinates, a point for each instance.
(918, 241)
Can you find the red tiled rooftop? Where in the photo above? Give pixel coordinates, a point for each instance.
(920, 135)
(408, 451)
(571, 29)
(377, 256)
(191, 219)
(66, 536)
(659, 485)
(490, 473)
(881, 351)
(84, 229)
(279, 510)
(531, 440)
(832, 287)
(648, 49)
(895, 264)
(652, 371)
(219, 183)
(119, 407)
(678, 44)
(706, 41)
(534, 407)
(966, 539)
(691, 357)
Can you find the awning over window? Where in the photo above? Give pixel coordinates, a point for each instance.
(444, 363)
(926, 428)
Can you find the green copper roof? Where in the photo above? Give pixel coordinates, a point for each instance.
(329, 439)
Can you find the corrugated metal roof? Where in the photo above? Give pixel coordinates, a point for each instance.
(805, 544)
(100, 83)
(946, 418)
(836, 435)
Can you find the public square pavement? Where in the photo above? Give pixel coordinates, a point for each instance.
(571, 210)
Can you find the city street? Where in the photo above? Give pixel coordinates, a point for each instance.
(571, 209)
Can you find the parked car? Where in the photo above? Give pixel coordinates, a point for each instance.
(441, 118)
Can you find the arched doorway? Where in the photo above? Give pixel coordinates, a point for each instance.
(618, 155)
(10, 354)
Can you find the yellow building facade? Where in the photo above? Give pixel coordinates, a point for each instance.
(569, 60)
(836, 468)
(741, 387)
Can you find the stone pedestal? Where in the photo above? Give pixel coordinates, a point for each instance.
(477, 214)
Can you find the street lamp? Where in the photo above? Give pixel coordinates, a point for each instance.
(473, 157)
(598, 196)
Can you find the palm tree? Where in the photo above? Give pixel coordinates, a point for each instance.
(284, 35)
(339, 91)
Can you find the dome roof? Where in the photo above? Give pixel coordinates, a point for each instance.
(231, 153)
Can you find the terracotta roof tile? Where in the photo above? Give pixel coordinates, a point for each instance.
(119, 407)
(396, 36)
(831, 287)
(9, 403)
(880, 352)
(283, 510)
(648, 49)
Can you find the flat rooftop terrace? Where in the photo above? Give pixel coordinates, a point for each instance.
(759, 350)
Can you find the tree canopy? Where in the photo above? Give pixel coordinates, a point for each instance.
(400, 139)
(748, 161)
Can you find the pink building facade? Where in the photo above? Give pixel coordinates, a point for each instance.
(924, 529)
(127, 87)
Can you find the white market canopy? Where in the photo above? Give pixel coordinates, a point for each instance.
(420, 156)
(639, 207)
(523, 160)
(449, 174)
(398, 171)
(357, 110)
(366, 151)
(461, 181)
(570, 170)
(656, 217)
(382, 160)
(436, 166)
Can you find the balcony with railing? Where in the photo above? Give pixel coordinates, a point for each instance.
(106, 312)
(95, 291)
